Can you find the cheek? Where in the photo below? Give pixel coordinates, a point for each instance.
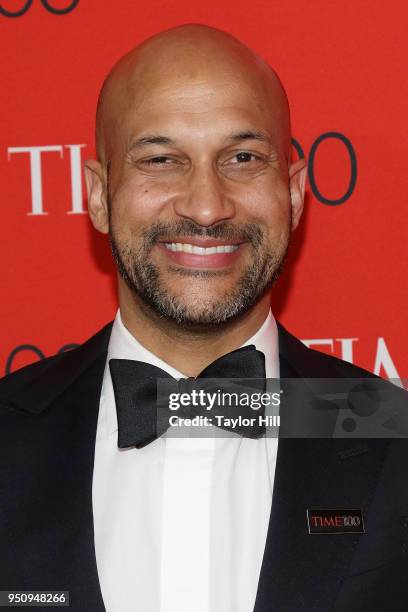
(268, 203)
(137, 203)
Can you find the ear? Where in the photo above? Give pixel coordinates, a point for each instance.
(297, 183)
(95, 181)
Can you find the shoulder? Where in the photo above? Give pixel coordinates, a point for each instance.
(27, 374)
(314, 364)
(57, 370)
(346, 386)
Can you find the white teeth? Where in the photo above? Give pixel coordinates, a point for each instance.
(197, 250)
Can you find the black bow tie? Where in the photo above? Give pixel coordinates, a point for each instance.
(136, 395)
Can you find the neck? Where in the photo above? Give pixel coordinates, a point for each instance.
(188, 350)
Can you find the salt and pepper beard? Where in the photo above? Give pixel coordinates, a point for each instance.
(144, 278)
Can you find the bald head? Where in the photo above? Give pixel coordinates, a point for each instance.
(188, 61)
(194, 181)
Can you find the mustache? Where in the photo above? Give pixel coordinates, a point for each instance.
(245, 232)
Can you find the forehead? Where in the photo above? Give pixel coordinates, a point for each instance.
(198, 106)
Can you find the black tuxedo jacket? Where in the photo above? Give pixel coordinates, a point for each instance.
(48, 418)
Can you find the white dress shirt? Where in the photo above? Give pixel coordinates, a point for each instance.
(181, 524)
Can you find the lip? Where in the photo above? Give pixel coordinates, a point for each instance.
(203, 262)
(202, 242)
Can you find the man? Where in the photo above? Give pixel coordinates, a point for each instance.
(195, 186)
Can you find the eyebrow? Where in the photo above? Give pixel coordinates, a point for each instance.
(249, 135)
(165, 140)
(152, 139)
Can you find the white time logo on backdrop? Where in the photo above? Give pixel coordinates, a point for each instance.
(35, 157)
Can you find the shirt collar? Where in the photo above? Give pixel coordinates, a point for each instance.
(123, 345)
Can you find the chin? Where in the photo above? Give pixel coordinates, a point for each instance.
(203, 314)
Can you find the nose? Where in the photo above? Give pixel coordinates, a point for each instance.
(205, 200)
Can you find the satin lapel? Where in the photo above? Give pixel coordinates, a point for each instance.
(299, 570)
(49, 484)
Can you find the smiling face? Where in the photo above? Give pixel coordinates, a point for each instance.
(197, 195)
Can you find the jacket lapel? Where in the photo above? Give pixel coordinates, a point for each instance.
(302, 570)
(49, 472)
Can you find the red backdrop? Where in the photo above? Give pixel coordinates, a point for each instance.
(343, 66)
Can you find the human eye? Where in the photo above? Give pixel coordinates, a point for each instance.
(242, 163)
(244, 157)
(158, 160)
